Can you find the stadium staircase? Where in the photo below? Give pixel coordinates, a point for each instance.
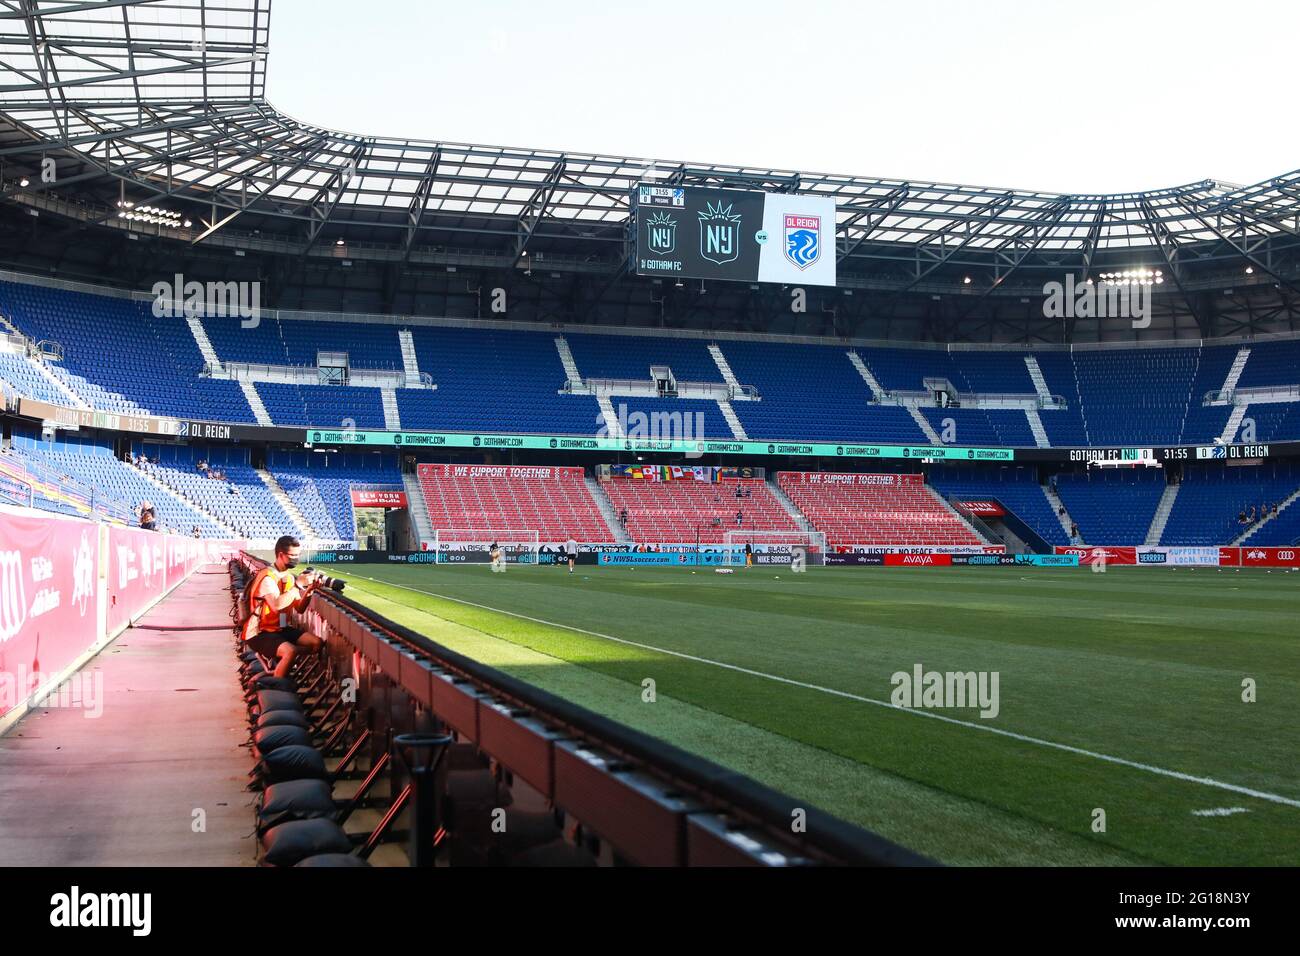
(574, 377)
(613, 427)
(980, 530)
(796, 515)
(1036, 428)
(1111, 506)
(63, 388)
(260, 414)
(607, 510)
(724, 367)
(1255, 528)
(177, 492)
(878, 514)
(1234, 371)
(733, 422)
(1056, 504)
(204, 343)
(392, 418)
(923, 423)
(1161, 517)
(876, 391)
(290, 508)
(1036, 376)
(24, 353)
(417, 508)
(675, 512)
(410, 361)
(1234, 422)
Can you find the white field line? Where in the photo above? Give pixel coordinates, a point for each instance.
(1219, 812)
(1024, 738)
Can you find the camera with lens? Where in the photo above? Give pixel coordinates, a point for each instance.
(325, 581)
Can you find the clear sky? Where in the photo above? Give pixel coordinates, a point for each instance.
(1050, 95)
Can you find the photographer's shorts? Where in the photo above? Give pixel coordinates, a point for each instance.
(267, 643)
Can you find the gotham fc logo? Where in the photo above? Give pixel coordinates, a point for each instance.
(719, 233)
(661, 234)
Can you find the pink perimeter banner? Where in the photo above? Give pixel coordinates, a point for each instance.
(67, 584)
(48, 605)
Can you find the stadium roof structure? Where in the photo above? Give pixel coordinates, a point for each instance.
(161, 103)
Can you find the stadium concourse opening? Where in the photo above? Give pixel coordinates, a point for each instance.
(663, 514)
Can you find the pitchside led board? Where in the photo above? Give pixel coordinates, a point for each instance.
(696, 233)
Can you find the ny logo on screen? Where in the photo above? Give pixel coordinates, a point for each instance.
(719, 234)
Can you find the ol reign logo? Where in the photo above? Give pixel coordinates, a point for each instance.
(803, 244)
(719, 234)
(661, 230)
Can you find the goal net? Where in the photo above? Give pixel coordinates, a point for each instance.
(774, 547)
(473, 545)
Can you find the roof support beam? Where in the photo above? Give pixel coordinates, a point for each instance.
(873, 215)
(420, 202)
(531, 215)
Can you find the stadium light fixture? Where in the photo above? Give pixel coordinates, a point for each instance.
(24, 182)
(966, 281)
(1250, 270)
(339, 241)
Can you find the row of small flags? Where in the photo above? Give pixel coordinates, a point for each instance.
(667, 472)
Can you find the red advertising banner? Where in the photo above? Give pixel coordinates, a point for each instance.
(982, 508)
(138, 572)
(1229, 557)
(495, 471)
(48, 611)
(66, 584)
(917, 560)
(1097, 554)
(1270, 557)
(364, 498)
(836, 478)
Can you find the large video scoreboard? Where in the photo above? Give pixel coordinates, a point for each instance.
(701, 233)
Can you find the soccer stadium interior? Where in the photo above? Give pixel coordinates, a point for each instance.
(424, 350)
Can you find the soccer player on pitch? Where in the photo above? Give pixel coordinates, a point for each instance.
(571, 546)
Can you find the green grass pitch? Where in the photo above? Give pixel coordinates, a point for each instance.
(1118, 692)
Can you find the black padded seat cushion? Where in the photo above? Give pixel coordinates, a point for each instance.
(296, 800)
(283, 718)
(294, 762)
(292, 842)
(277, 700)
(269, 739)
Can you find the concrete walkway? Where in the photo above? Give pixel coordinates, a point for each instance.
(124, 788)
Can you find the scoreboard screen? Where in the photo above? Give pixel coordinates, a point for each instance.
(701, 233)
